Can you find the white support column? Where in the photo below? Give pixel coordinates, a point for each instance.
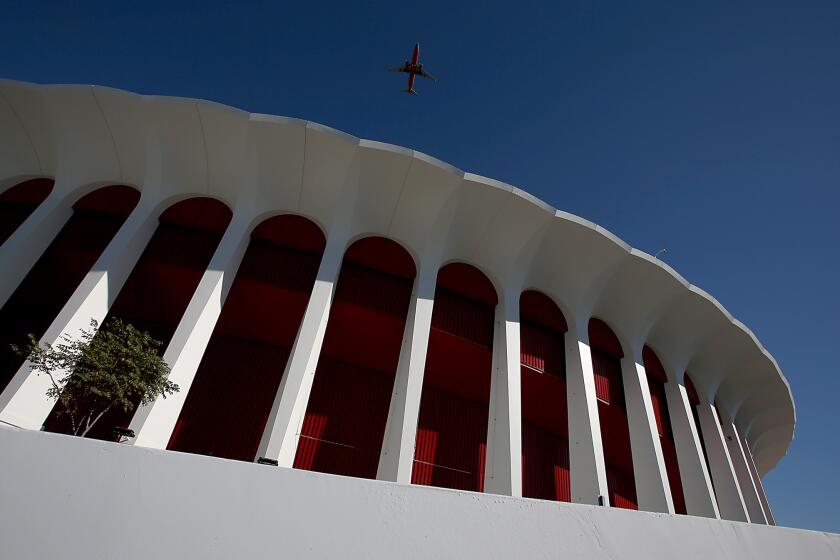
(652, 490)
(282, 431)
(765, 505)
(154, 423)
(24, 402)
(503, 472)
(697, 484)
(730, 501)
(742, 471)
(588, 471)
(25, 246)
(397, 457)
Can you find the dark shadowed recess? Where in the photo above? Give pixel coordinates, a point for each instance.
(156, 293)
(18, 202)
(230, 400)
(44, 291)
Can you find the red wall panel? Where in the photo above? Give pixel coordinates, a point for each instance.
(348, 407)
(452, 426)
(615, 433)
(545, 446)
(374, 290)
(545, 464)
(228, 405)
(622, 488)
(463, 317)
(451, 441)
(542, 349)
(608, 382)
(345, 420)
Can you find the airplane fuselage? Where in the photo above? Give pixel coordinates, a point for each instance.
(413, 68)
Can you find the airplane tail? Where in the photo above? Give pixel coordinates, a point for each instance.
(410, 90)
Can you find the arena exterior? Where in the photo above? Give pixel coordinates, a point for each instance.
(342, 306)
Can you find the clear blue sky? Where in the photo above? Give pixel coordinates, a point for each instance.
(712, 131)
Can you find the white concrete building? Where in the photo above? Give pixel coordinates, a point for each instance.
(354, 308)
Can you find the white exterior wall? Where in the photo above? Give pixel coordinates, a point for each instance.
(118, 501)
(262, 165)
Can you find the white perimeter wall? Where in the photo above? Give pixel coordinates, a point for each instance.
(70, 498)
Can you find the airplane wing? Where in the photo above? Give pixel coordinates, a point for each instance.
(397, 69)
(427, 75)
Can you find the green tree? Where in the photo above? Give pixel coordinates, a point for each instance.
(113, 367)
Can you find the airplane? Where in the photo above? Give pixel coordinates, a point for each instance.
(413, 68)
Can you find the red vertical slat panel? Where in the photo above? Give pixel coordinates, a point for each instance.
(374, 290)
(545, 447)
(545, 464)
(615, 433)
(622, 488)
(451, 442)
(228, 405)
(345, 420)
(452, 425)
(608, 385)
(542, 349)
(463, 317)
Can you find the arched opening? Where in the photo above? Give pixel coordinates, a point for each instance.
(545, 428)
(228, 405)
(656, 384)
(452, 425)
(694, 401)
(159, 288)
(348, 407)
(18, 202)
(37, 300)
(612, 412)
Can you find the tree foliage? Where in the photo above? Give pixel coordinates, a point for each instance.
(116, 366)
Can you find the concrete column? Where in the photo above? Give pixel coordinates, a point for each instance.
(730, 501)
(25, 246)
(154, 422)
(24, 402)
(765, 505)
(697, 484)
(282, 431)
(503, 471)
(396, 459)
(588, 472)
(742, 472)
(652, 490)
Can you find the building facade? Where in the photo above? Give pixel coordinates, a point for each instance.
(355, 308)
